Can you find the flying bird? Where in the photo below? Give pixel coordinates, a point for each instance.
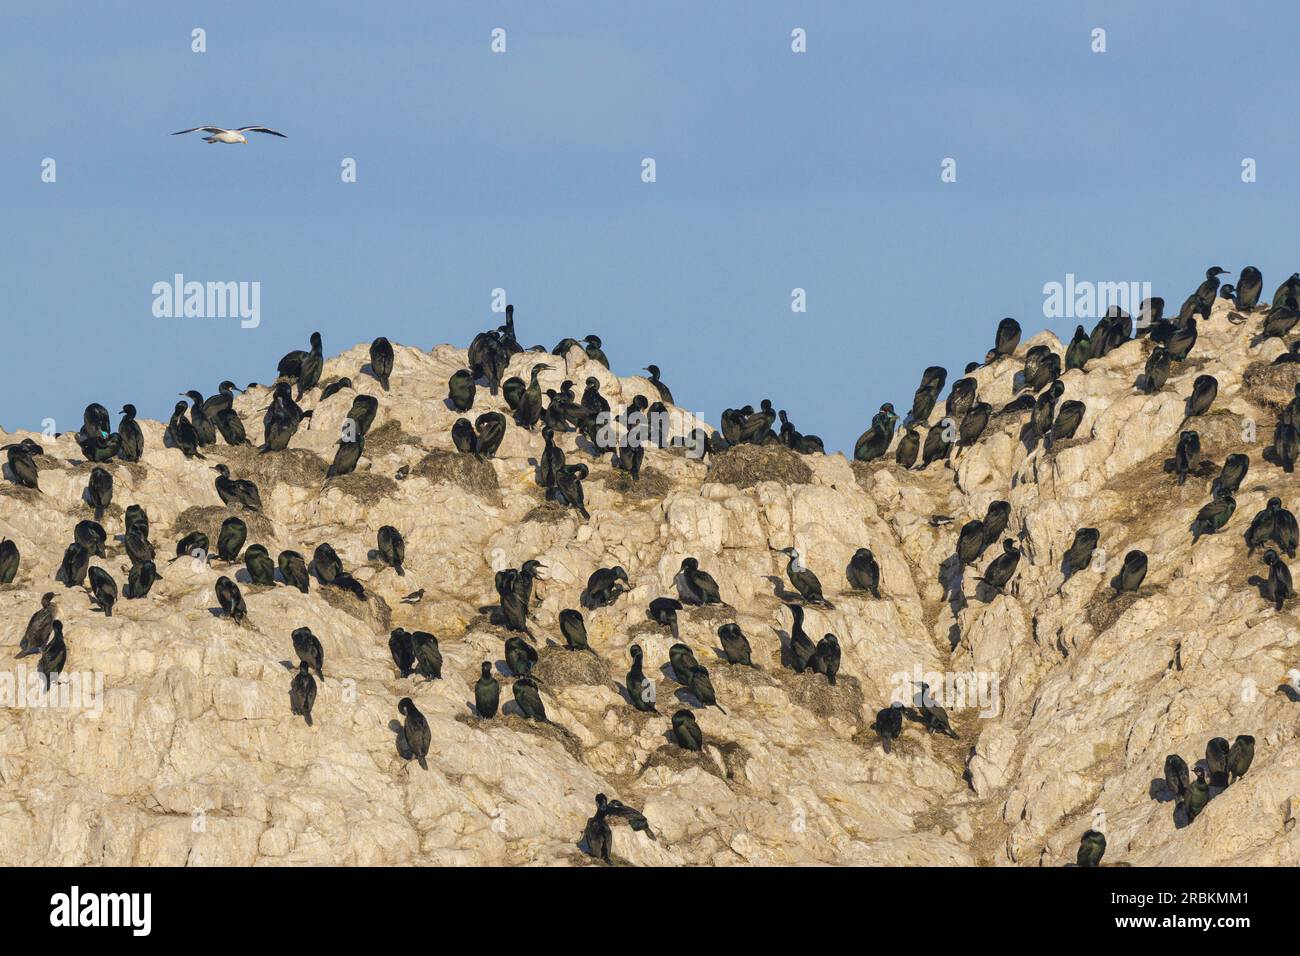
(220, 135)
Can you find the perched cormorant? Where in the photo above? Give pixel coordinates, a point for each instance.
(1176, 776)
(864, 573)
(402, 648)
(1181, 341)
(664, 394)
(1213, 516)
(1079, 350)
(874, 442)
(974, 423)
(568, 487)
(803, 579)
(1005, 340)
(461, 388)
(54, 656)
(231, 538)
(619, 810)
(663, 610)
(491, 428)
(1092, 847)
(908, 447)
(702, 688)
(75, 564)
(1250, 283)
(464, 438)
(231, 600)
(1216, 759)
(1279, 579)
(308, 648)
(204, 429)
(22, 467)
(261, 569)
(735, 646)
(889, 724)
(995, 520)
(1240, 756)
(1234, 471)
(1080, 554)
(1286, 445)
(38, 627)
(574, 630)
(640, 689)
(686, 732)
(304, 368)
(381, 360)
(802, 649)
(937, 444)
(970, 542)
(131, 439)
(597, 834)
(1187, 455)
(392, 549)
(346, 457)
(181, 433)
(696, 587)
(530, 402)
(1001, 568)
(99, 491)
(302, 693)
(521, 657)
(1133, 572)
(1204, 391)
(237, 491)
(294, 570)
(428, 658)
(682, 661)
(487, 692)
(935, 717)
(1279, 321)
(415, 731)
(9, 560)
(1068, 420)
(604, 586)
(1198, 795)
(827, 659)
(136, 520)
(529, 699)
(1157, 370)
(961, 397)
(91, 536)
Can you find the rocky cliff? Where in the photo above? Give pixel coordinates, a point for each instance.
(1073, 697)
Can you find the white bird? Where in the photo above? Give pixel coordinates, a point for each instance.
(220, 135)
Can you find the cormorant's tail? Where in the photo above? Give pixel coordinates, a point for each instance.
(673, 624)
(884, 742)
(424, 764)
(719, 706)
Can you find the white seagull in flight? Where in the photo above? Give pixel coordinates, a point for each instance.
(220, 135)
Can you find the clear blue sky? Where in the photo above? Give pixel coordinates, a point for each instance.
(522, 170)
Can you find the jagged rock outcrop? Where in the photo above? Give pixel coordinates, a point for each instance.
(196, 758)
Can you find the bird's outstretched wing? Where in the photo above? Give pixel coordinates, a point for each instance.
(206, 129)
(260, 129)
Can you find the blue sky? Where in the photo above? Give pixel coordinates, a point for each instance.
(522, 170)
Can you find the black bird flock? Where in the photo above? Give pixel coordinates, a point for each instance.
(1040, 393)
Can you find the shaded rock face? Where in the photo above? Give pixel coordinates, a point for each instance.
(1065, 702)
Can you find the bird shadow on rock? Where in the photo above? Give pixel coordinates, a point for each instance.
(781, 593)
(403, 748)
(1159, 791)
